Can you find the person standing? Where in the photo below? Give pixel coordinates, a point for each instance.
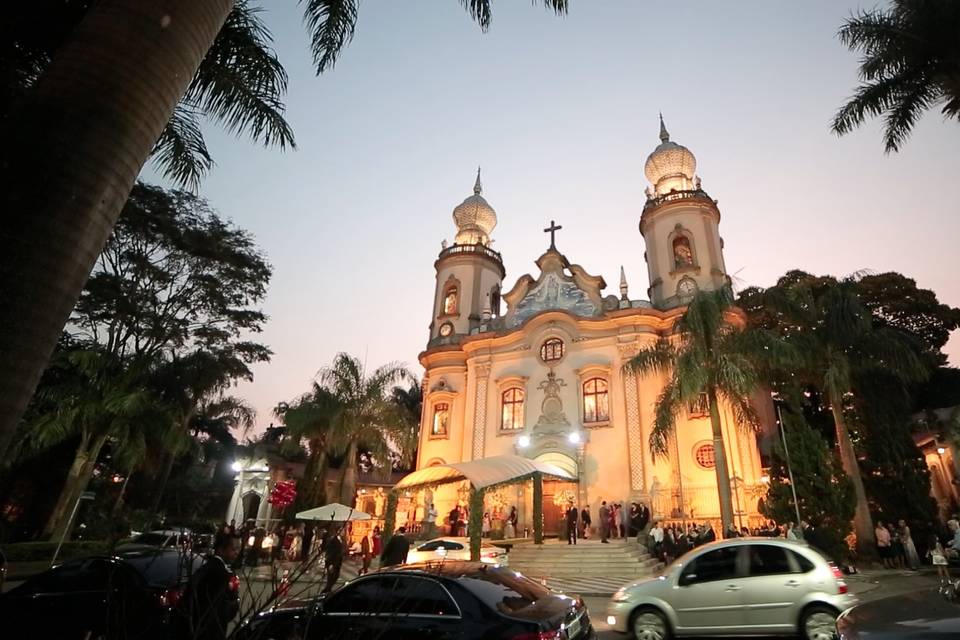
(883, 543)
(938, 558)
(365, 556)
(377, 542)
(621, 521)
(604, 522)
(396, 550)
(585, 522)
(454, 521)
(510, 528)
(210, 600)
(644, 517)
(572, 524)
(634, 521)
(909, 549)
(656, 539)
(429, 520)
(305, 542)
(485, 525)
(332, 560)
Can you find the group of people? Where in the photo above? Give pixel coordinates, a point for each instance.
(459, 517)
(667, 543)
(896, 548)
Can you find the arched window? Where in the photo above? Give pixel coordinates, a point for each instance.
(682, 252)
(441, 420)
(512, 409)
(495, 300)
(596, 403)
(450, 301)
(551, 350)
(699, 407)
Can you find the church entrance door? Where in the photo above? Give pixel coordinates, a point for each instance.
(556, 500)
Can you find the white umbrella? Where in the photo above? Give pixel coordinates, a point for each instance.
(334, 512)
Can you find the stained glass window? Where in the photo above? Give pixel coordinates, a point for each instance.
(596, 404)
(706, 455)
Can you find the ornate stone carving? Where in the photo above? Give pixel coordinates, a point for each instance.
(634, 437)
(551, 409)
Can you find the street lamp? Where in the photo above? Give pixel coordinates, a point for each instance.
(786, 453)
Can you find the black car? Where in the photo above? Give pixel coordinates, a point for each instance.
(917, 615)
(129, 596)
(431, 601)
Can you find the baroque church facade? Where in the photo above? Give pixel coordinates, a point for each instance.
(536, 369)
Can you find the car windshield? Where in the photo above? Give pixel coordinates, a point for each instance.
(152, 539)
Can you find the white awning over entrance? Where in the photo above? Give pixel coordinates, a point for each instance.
(483, 473)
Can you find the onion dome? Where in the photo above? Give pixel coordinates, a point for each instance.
(671, 166)
(475, 218)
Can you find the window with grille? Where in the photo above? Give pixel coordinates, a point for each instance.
(700, 407)
(551, 350)
(706, 455)
(512, 412)
(596, 403)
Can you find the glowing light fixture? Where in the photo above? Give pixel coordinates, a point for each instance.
(523, 442)
(236, 466)
(941, 450)
(574, 437)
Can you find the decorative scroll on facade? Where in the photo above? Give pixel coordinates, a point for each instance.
(634, 437)
(482, 373)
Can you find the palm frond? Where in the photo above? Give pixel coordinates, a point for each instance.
(331, 24)
(241, 83)
(657, 358)
(181, 152)
(480, 11)
(667, 407)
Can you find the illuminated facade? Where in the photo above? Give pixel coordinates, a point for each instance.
(536, 370)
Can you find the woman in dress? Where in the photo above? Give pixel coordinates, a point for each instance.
(485, 525)
(293, 553)
(909, 549)
(365, 555)
(510, 528)
(938, 558)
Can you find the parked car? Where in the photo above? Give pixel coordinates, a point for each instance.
(130, 596)
(744, 586)
(455, 599)
(916, 615)
(454, 548)
(160, 539)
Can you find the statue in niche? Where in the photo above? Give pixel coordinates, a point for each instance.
(682, 252)
(551, 409)
(378, 500)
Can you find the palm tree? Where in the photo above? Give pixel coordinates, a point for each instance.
(708, 354)
(836, 342)
(97, 397)
(75, 144)
(308, 418)
(911, 62)
(364, 418)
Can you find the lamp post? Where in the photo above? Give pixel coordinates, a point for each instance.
(786, 453)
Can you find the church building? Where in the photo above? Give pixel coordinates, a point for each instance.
(533, 368)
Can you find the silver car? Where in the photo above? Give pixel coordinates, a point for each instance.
(744, 586)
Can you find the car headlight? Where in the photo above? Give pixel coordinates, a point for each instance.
(622, 595)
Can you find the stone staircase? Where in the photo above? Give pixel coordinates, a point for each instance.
(620, 559)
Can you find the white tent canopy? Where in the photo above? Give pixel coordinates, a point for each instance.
(482, 473)
(334, 511)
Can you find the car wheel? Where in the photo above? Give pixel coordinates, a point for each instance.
(649, 624)
(818, 622)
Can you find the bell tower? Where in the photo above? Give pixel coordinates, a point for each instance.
(469, 273)
(680, 225)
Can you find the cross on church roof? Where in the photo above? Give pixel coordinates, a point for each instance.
(552, 229)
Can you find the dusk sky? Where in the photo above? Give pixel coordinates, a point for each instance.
(561, 113)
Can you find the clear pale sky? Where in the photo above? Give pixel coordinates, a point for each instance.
(561, 113)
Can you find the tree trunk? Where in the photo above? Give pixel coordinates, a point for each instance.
(862, 522)
(76, 483)
(162, 481)
(70, 156)
(348, 481)
(720, 465)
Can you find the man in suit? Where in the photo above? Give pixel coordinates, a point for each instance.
(332, 559)
(396, 550)
(604, 522)
(585, 522)
(644, 518)
(211, 599)
(572, 524)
